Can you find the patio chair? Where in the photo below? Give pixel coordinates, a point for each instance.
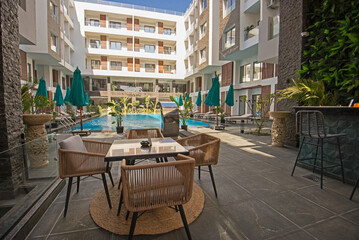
(204, 149)
(310, 126)
(355, 187)
(79, 158)
(144, 133)
(151, 186)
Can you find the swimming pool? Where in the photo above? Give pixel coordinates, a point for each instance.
(132, 121)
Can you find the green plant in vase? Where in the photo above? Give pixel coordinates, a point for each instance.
(184, 110)
(116, 111)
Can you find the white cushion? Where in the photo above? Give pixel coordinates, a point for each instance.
(188, 147)
(73, 143)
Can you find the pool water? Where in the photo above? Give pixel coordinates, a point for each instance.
(131, 121)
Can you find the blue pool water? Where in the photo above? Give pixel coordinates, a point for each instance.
(132, 121)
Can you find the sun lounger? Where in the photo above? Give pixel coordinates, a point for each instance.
(233, 119)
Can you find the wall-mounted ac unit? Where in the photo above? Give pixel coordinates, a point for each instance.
(273, 4)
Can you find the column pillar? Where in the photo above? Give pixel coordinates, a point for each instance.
(292, 24)
(11, 123)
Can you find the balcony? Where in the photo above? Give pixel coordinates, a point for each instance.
(251, 37)
(251, 6)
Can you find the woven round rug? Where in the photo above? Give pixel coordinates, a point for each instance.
(156, 221)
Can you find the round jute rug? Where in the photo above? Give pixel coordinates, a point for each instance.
(157, 221)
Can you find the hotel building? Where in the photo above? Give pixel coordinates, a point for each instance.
(133, 51)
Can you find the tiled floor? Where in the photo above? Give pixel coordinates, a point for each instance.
(257, 199)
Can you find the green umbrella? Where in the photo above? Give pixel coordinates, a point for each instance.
(212, 98)
(77, 94)
(87, 100)
(230, 96)
(187, 97)
(199, 99)
(67, 97)
(176, 99)
(180, 102)
(41, 90)
(58, 96)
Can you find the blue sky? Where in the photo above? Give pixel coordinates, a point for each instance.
(174, 5)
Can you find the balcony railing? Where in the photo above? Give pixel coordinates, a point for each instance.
(249, 34)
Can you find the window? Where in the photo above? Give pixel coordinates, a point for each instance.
(228, 7)
(94, 43)
(114, 65)
(149, 29)
(54, 11)
(167, 31)
(203, 55)
(179, 87)
(167, 50)
(95, 64)
(94, 23)
(99, 84)
(229, 38)
(203, 30)
(245, 73)
(115, 24)
(164, 87)
(274, 27)
(255, 100)
(54, 42)
(150, 67)
(150, 48)
(115, 45)
(203, 5)
(257, 71)
(167, 69)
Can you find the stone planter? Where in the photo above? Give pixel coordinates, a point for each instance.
(38, 149)
(278, 127)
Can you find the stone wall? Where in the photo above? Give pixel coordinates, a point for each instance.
(292, 24)
(11, 124)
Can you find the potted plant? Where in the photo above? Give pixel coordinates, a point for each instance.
(184, 111)
(247, 30)
(35, 125)
(221, 112)
(116, 111)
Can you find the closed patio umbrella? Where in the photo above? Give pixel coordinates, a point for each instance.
(87, 100)
(199, 99)
(230, 96)
(180, 102)
(77, 94)
(67, 96)
(58, 96)
(187, 97)
(41, 90)
(212, 98)
(176, 99)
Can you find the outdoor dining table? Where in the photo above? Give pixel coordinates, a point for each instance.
(131, 150)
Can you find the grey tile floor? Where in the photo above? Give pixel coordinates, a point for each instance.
(257, 199)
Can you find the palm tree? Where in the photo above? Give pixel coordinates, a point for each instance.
(125, 104)
(147, 102)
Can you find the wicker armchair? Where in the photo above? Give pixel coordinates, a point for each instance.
(80, 163)
(204, 149)
(152, 186)
(144, 133)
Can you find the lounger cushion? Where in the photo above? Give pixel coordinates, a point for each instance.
(73, 143)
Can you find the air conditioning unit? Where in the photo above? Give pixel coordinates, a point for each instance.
(273, 4)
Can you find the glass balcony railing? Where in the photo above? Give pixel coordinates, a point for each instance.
(251, 33)
(36, 170)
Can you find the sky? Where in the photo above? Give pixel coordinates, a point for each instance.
(174, 5)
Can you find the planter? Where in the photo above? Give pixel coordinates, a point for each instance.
(278, 127)
(54, 125)
(184, 127)
(119, 129)
(38, 150)
(223, 120)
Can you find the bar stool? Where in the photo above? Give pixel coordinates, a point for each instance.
(355, 187)
(310, 126)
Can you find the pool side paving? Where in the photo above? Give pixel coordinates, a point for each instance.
(257, 199)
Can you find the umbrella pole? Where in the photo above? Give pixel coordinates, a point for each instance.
(81, 118)
(217, 115)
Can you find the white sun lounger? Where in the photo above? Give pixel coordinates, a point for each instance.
(233, 119)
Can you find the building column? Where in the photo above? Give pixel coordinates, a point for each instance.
(109, 90)
(11, 123)
(90, 82)
(292, 24)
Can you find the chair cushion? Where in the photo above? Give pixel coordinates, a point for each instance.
(73, 143)
(188, 147)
